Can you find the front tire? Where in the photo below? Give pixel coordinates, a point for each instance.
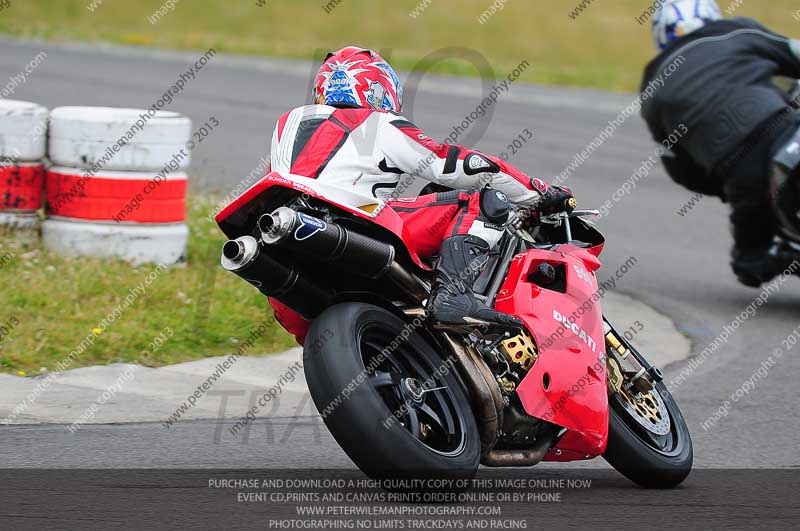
(650, 460)
(367, 383)
(648, 439)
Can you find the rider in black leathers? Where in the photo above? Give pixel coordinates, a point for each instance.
(716, 79)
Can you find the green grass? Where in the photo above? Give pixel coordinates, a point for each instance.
(604, 47)
(58, 301)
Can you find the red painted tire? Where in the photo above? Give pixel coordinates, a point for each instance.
(123, 197)
(21, 187)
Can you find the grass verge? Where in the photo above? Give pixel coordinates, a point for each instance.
(51, 303)
(579, 42)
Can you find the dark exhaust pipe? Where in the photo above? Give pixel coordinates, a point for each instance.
(487, 403)
(517, 458)
(279, 279)
(327, 242)
(484, 394)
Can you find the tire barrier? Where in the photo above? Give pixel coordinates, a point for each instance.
(118, 139)
(134, 243)
(121, 197)
(21, 187)
(118, 189)
(23, 131)
(23, 142)
(16, 221)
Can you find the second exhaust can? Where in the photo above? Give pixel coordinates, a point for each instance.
(327, 242)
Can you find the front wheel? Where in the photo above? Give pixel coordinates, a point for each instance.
(648, 439)
(392, 402)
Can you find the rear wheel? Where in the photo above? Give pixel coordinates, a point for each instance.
(648, 439)
(394, 405)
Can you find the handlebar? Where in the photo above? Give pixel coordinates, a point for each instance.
(584, 213)
(556, 219)
(515, 223)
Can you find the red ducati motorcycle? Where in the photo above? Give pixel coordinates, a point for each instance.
(403, 398)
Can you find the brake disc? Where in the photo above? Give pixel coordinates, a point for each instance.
(649, 410)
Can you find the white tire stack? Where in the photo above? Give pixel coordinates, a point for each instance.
(118, 187)
(23, 138)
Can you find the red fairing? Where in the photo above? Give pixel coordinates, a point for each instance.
(386, 218)
(567, 384)
(290, 320)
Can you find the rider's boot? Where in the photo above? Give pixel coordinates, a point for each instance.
(452, 303)
(754, 268)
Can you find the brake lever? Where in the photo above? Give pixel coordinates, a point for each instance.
(514, 227)
(554, 219)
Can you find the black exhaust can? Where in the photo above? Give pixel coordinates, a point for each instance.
(326, 242)
(274, 277)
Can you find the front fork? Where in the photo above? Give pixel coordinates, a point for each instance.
(626, 366)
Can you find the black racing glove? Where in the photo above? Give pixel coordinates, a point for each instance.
(555, 199)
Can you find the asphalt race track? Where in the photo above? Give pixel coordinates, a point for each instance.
(681, 269)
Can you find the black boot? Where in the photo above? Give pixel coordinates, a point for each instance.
(452, 303)
(754, 268)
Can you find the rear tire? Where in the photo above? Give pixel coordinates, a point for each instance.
(357, 383)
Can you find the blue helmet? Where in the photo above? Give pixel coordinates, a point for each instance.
(676, 18)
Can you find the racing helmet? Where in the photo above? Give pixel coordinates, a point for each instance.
(357, 77)
(677, 18)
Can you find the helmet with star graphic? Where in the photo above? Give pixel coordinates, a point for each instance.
(358, 77)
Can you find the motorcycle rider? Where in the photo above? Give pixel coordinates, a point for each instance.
(353, 137)
(722, 91)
